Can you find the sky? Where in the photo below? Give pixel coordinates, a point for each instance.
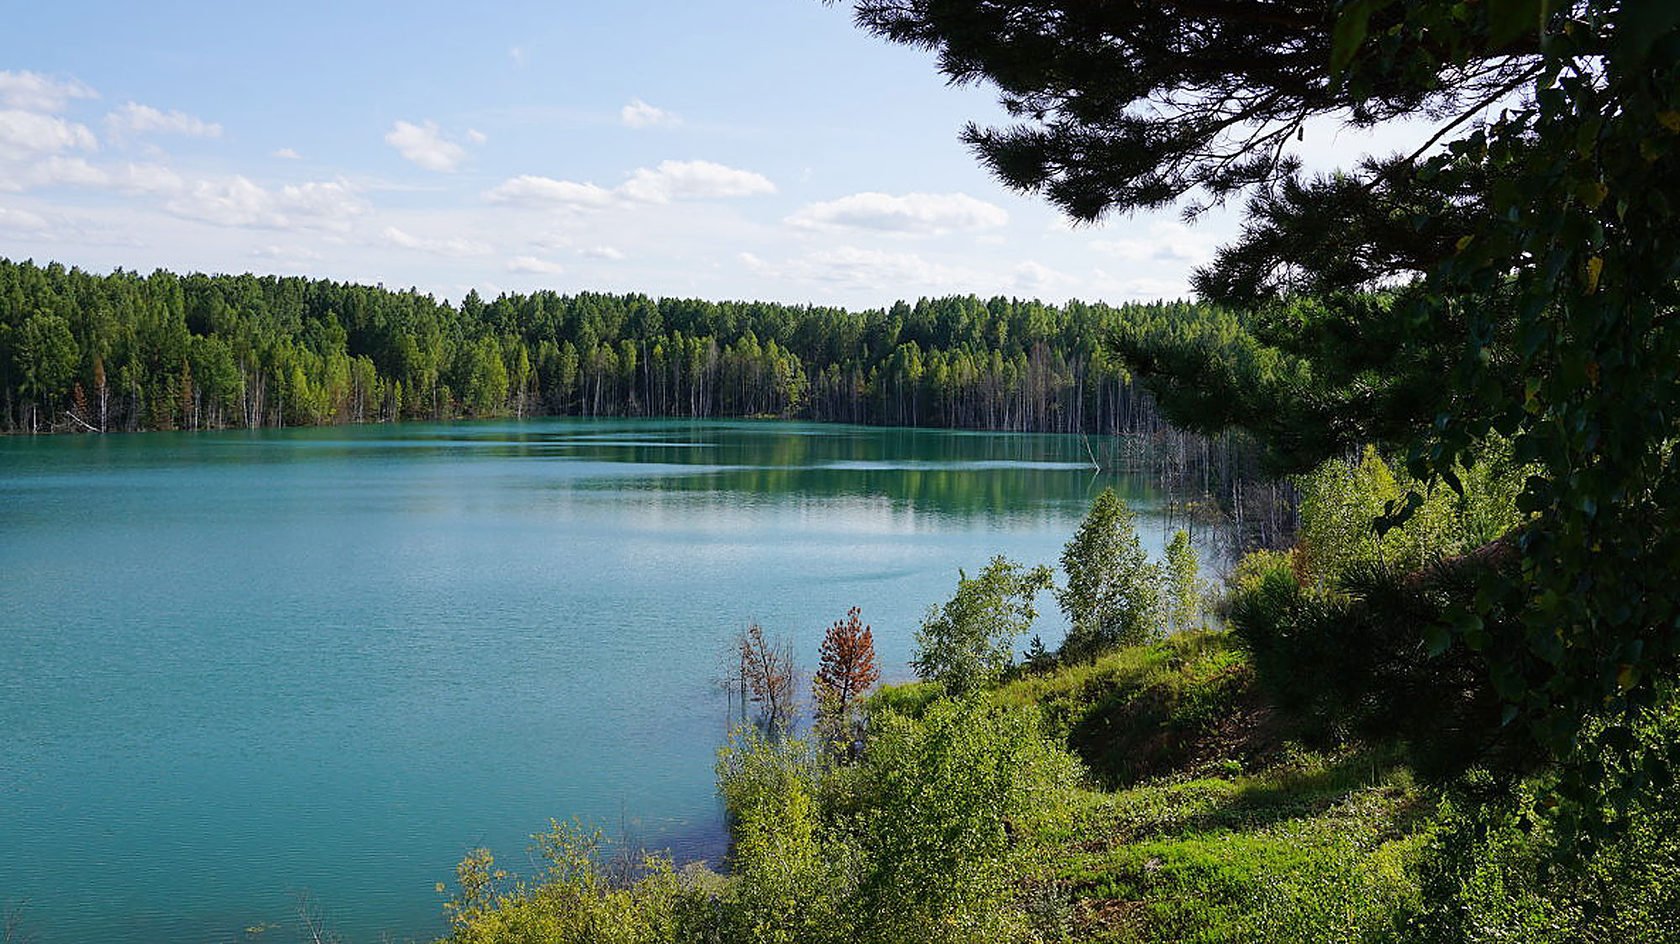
(748, 149)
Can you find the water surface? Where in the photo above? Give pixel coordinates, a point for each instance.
(237, 668)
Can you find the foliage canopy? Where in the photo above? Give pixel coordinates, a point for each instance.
(1514, 278)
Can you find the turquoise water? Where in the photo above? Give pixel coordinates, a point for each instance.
(238, 668)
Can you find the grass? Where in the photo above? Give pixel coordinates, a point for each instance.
(1204, 821)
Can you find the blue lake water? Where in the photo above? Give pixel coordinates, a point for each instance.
(241, 667)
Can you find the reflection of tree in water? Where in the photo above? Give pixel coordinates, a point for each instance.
(1211, 486)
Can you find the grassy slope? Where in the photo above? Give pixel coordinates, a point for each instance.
(1205, 821)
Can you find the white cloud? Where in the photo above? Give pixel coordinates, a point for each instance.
(25, 135)
(1167, 242)
(1140, 288)
(517, 55)
(671, 180)
(287, 154)
(693, 180)
(32, 91)
(425, 145)
(1034, 277)
(22, 221)
(286, 253)
(238, 201)
(454, 246)
(134, 118)
(925, 213)
(56, 171)
(326, 200)
(476, 136)
(907, 272)
(533, 191)
(752, 261)
(607, 253)
(639, 114)
(535, 266)
(148, 178)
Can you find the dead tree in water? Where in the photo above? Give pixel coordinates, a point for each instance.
(766, 677)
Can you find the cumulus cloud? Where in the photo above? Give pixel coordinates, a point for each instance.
(239, 201)
(424, 144)
(476, 136)
(147, 178)
(32, 91)
(607, 253)
(291, 254)
(693, 180)
(534, 266)
(1167, 242)
(21, 221)
(924, 213)
(135, 119)
(453, 246)
(639, 114)
(55, 171)
(671, 180)
(873, 268)
(25, 135)
(533, 191)
(288, 154)
(1138, 288)
(1034, 277)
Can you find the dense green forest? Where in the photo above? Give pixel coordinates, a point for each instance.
(164, 351)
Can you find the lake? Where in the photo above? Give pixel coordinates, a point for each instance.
(238, 668)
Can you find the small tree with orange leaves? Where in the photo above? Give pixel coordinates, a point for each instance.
(766, 677)
(845, 672)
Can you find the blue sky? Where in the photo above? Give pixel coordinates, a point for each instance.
(747, 149)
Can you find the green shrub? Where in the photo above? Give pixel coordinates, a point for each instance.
(790, 872)
(948, 797)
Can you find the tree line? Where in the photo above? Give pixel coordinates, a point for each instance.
(124, 351)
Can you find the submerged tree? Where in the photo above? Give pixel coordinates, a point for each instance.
(1113, 592)
(1516, 276)
(846, 670)
(766, 677)
(969, 642)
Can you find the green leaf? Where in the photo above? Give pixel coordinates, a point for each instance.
(1642, 25)
(1436, 639)
(1349, 34)
(1508, 19)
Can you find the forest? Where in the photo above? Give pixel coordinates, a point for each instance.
(81, 351)
(1450, 711)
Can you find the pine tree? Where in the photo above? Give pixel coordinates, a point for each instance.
(1513, 278)
(846, 670)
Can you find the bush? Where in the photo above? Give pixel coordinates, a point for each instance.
(1504, 866)
(947, 797)
(790, 872)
